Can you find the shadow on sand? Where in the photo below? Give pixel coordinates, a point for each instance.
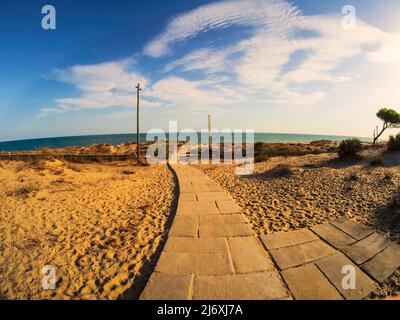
(387, 217)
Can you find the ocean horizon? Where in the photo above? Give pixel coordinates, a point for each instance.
(116, 139)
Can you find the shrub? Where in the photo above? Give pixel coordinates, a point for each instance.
(127, 172)
(58, 181)
(352, 178)
(20, 192)
(349, 148)
(261, 158)
(262, 152)
(394, 143)
(376, 162)
(388, 175)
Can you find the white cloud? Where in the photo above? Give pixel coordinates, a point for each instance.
(48, 111)
(220, 15)
(102, 77)
(205, 59)
(388, 51)
(193, 94)
(332, 46)
(105, 85)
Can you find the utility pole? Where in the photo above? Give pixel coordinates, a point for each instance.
(209, 136)
(137, 124)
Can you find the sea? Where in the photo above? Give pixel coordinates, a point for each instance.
(116, 139)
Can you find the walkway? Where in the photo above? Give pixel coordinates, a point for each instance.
(212, 253)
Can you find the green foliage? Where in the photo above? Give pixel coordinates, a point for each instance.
(394, 143)
(389, 116)
(349, 148)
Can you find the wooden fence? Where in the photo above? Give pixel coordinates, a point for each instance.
(80, 158)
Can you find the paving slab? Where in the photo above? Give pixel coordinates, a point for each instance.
(196, 208)
(332, 268)
(228, 230)
(248, 255)
(214, 187)
(222, 219)
(187, 197)
(184, 226)
(307, 282)
(207, 196)
(384, 264)
(252, 286)
(197, 245)
(190, 174)
(227, 207)
(366, 248)
(181, 244)
(185, 219)
(333, 235)
(163, 286)
(213, 264)
(356, 230)
(286, 239)
(176, 263)
(212, 245)
(185, 182)
(188, 263)
(185, 188)
(288, 257)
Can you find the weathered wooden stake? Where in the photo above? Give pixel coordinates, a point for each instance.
(209, 136)
(137, 125)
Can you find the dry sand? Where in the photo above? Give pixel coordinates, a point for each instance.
(101, 227)
(294, 192)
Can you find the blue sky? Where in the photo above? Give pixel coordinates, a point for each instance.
(267, 65)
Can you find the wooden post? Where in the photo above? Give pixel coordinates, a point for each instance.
(209, 137)
(137, 124)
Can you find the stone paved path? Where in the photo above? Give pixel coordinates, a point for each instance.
(212, 253)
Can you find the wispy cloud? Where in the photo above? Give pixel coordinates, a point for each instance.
(205, 59)
(192, 95)
(222, 14)
(104, 85)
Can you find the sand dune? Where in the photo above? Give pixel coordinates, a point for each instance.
(99, 225)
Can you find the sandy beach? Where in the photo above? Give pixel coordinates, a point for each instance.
(289, 193)
(101, 226)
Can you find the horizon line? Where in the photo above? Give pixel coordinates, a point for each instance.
(197, 131)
